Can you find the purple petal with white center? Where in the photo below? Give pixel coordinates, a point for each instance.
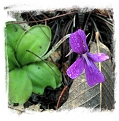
(83, 36)
(76, 68)
(97, 57)
(93, 74)
(77, 42)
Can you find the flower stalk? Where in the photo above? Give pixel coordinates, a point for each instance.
(97, 40)
(56, 46)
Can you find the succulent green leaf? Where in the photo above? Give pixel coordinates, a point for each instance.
(41, 77)
(20, 86)
(37, 39)
(53, 70)
(12, 62)
(13, 33)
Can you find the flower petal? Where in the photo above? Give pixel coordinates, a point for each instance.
(77, 42)
(93, 74)
(76, 68)
(97, 57)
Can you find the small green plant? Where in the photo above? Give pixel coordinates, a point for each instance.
(29, 73)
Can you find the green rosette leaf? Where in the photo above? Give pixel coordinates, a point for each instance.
(20, 86)
(41, 77)
(37, 40)
(12, 62)
(13, 33)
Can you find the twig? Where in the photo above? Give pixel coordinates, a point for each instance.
(104, 20)
(39, 26)
(109, 15)
(97, 40)
(87, 20)
(74, 20)
(59, 99)
(97, 34)
(18, 22)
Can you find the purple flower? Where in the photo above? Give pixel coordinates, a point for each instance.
(85, 60)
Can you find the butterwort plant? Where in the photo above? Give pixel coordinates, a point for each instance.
(28, 72)
(85, 60)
